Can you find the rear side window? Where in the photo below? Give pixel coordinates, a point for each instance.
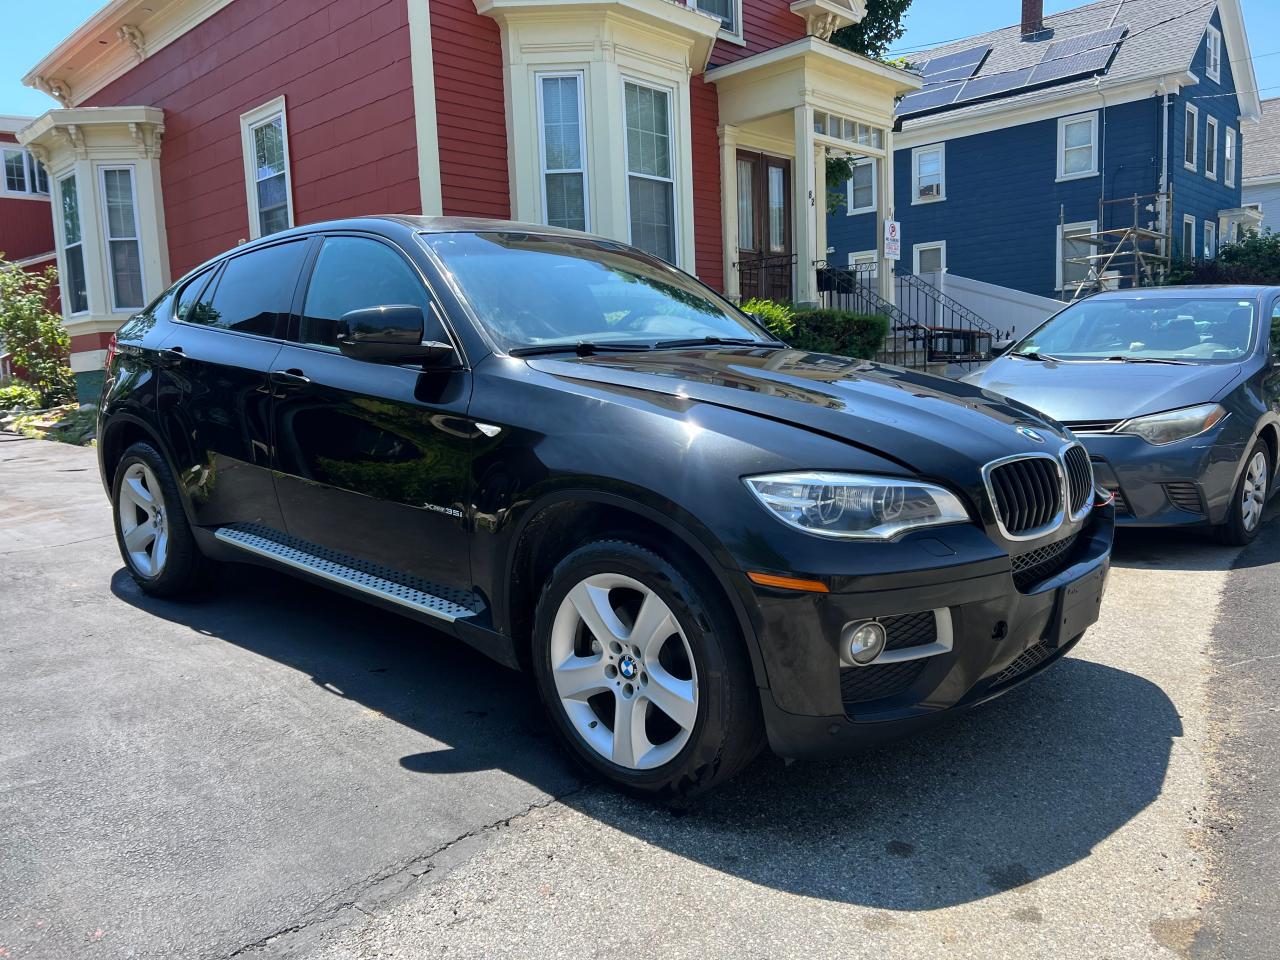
(254, 293)
(353, 273)
(187, 298)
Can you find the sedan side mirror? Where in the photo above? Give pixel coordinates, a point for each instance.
(1000, 347)
(389, 334)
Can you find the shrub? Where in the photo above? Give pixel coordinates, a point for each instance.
(1254, 258)
(839, 332)
(35, 338)
(777, 317)
(19, 396)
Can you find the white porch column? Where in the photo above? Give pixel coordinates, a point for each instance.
(820, 202)
(885, 211)
(804, 215)
(729, 209)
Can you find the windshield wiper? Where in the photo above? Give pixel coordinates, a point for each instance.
(582, 348)
(717, 342)
(1033, 355)
(1177, 363)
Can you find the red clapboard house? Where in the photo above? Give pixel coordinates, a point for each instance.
(26, 230)
(696, 130)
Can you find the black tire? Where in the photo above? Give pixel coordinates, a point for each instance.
(728, 731)
(184, 570)
(1233, 531)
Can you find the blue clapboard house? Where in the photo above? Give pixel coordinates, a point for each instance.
(1067, 152)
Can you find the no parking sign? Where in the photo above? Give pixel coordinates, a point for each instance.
(892, 240)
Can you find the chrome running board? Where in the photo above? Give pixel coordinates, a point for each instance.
(443, 603)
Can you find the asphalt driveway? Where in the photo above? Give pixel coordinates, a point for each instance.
(276, 771)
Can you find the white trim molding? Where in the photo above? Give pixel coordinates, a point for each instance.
(1077, 120)
(422, 68)
(250, 122)
(874, 164)
(1211, 147)
(1189, 237)
(1213, 54)
(1210, 239)
(1230, 156)
(919, 248)
(1192, 123)
(919, 153)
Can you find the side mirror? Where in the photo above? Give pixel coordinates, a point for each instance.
(1000, 347)
(389, 334)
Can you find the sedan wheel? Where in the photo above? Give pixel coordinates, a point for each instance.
(624, 671)
(1253, 493)
(141, 515)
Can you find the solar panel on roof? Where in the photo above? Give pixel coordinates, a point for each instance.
(981, 87)
(971, 58)
(958, 75)
(1080, 64)
(1107, 39)
(931, 99)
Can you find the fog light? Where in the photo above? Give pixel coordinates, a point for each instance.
(862, 641)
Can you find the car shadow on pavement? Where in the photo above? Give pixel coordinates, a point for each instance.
(992, 801)
(1186, 548)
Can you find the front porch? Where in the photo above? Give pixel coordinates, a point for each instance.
(782, 114)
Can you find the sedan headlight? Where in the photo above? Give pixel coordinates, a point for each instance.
(1162, 428)
(854, 506)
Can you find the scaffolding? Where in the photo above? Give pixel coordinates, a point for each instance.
(1131, 245)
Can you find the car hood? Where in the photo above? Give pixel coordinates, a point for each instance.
(929, 425)
(1072, 391)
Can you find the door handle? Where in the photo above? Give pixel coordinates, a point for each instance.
(291, 377)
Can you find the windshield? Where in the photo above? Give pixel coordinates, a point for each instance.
(534, 290)
(1194, 330)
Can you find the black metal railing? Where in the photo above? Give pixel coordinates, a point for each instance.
(925, 325)
(771, 278)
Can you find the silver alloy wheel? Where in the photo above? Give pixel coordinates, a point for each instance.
(596, 655)
(1254, 496)
(143, 525)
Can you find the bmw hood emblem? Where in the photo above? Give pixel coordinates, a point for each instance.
(1030, 434)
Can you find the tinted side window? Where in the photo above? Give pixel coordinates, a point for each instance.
(187, 298)
(254, 292)
(352, 273)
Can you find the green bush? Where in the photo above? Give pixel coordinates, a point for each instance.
(36, 339)
(840, 332)
(777, 317)
(1254, 258)
(19, 396)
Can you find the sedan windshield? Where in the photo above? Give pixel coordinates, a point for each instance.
(1191, 330)
(541, 290)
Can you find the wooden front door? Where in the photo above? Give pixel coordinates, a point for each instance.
(766, 259)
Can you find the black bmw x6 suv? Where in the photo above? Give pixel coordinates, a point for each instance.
(596, 470)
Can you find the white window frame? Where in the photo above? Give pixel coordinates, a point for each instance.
(107, 238)
(1189, 250)
(582, 141)
(849, 208)
(918, 248)
(30, 174)
(673, 145)
(732, 34)
(1063, 229)
(60, 222)
(1213, 54)
(248, 123)
(1063, 123)
(863, 256)
(941, 150)
(1211, 147)
(1210, 232)
(1229, 160)
(1193, 124)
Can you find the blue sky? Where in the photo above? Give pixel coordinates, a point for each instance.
(28, 37)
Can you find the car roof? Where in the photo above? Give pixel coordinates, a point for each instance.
(1220, 291)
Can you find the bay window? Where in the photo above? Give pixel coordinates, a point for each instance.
(74, 289)
(124, 250)
(651, 183)
(564, 150)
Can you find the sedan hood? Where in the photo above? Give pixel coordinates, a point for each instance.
(1072, 391)
(930, 425)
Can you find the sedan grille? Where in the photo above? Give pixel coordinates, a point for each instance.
(1079, 478)
(1039, 565)
(1026, 494)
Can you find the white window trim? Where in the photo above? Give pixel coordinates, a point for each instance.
(1213, 44)
(860, 256)
(941, 150)
(673, 145)
(61, 240)
(248, 122)
(1210, 230)
(582, 141)
(1229, 153)
(1193, 121)
(29, 171)
(918, 248)
(1063, 123)
(1063, 230)
(107, 238)
(735, 35)
(849, 208)
(1211, 147)
(1189, 254)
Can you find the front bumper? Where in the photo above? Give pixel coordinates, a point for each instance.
(999, 635)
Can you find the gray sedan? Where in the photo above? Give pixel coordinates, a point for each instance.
(1175, 391)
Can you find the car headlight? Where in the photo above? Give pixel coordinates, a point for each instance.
(1162, 428)
(855, 506)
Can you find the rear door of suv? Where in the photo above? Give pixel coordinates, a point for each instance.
(214, 396)
(373, 459)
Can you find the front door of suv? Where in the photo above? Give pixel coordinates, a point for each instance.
(214, 395)
(372, 459)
